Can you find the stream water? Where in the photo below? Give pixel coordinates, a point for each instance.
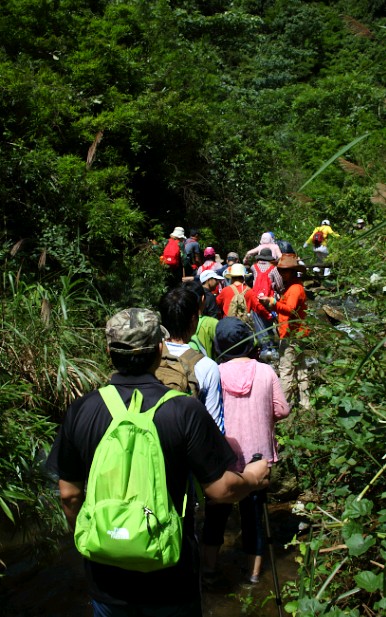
(56, 588)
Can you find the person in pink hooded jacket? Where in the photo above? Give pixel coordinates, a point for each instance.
(253, 402)
(266, 242)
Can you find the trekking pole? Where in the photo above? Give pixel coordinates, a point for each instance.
(258, 457)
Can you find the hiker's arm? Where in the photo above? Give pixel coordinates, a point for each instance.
(309, 240)
(72, 497)
(260, 309)
(250, 253)
(234, 486)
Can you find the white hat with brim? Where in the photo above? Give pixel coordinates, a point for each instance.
(178, 232)
(210, 274)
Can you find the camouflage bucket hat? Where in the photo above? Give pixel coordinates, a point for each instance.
(138, 329)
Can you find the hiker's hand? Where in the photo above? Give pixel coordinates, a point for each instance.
(265, 300)
(259, 473)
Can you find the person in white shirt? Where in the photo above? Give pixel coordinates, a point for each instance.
(179, 310)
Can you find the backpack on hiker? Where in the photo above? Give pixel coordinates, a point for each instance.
(128, 519)
(317, 239)
(238, 304)
(263, 284)
(188, 255)
(171, 255)
(177, 372)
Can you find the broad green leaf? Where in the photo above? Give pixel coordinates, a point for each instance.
(6, 510)
(310, 606)
(369, 581)
(291, 607)
(358, 508)
(358, 545)
(324, 392)
(350, 528)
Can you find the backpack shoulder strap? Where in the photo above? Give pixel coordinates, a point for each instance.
(188, 360)
(119, 412)
(191, 357)
(166, 397)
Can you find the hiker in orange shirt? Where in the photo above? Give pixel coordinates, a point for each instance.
(291, 312)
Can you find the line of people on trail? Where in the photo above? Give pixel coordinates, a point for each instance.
(266, 295)
(209, 426)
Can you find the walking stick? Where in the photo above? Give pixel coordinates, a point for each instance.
(258, 457)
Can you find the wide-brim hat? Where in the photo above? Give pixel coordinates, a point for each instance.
(135, 331)
(218, 259)
(265, 255)
(290, 262)
(178, 232)
(236, 270)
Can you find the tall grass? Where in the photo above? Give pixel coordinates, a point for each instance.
(51, 351)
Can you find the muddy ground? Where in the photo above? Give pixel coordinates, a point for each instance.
(56, 588)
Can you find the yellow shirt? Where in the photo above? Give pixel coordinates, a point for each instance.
(326, 231)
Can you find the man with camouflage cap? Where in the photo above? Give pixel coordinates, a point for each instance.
(192, 444)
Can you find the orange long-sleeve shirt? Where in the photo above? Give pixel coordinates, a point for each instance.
(225, 296)
(292, 305)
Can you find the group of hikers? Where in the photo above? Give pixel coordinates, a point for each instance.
(192, 370)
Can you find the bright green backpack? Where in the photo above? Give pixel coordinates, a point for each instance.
(128, 519)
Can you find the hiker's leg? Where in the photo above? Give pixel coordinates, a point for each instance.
(252, 531)
(302, 379)
(216, 516)
(287, 369)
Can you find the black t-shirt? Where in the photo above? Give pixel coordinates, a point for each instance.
(191, 443)
(210, 309)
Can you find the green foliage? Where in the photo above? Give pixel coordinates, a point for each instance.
(49, 339)
(51, 352)
(338, 449)
(210, 114)
(111, 220)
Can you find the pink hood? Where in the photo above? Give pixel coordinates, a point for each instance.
(237, 377)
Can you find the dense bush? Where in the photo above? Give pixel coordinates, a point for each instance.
(123, 119)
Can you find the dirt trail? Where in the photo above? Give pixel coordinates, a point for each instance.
(57, 589)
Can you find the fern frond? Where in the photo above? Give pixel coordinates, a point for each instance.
(42, 259)
(92, 149)
(302, 198)
(379, 195)
(16, 247)
(356, 27)
(381, 188)
(45, 312)
(351, 168)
